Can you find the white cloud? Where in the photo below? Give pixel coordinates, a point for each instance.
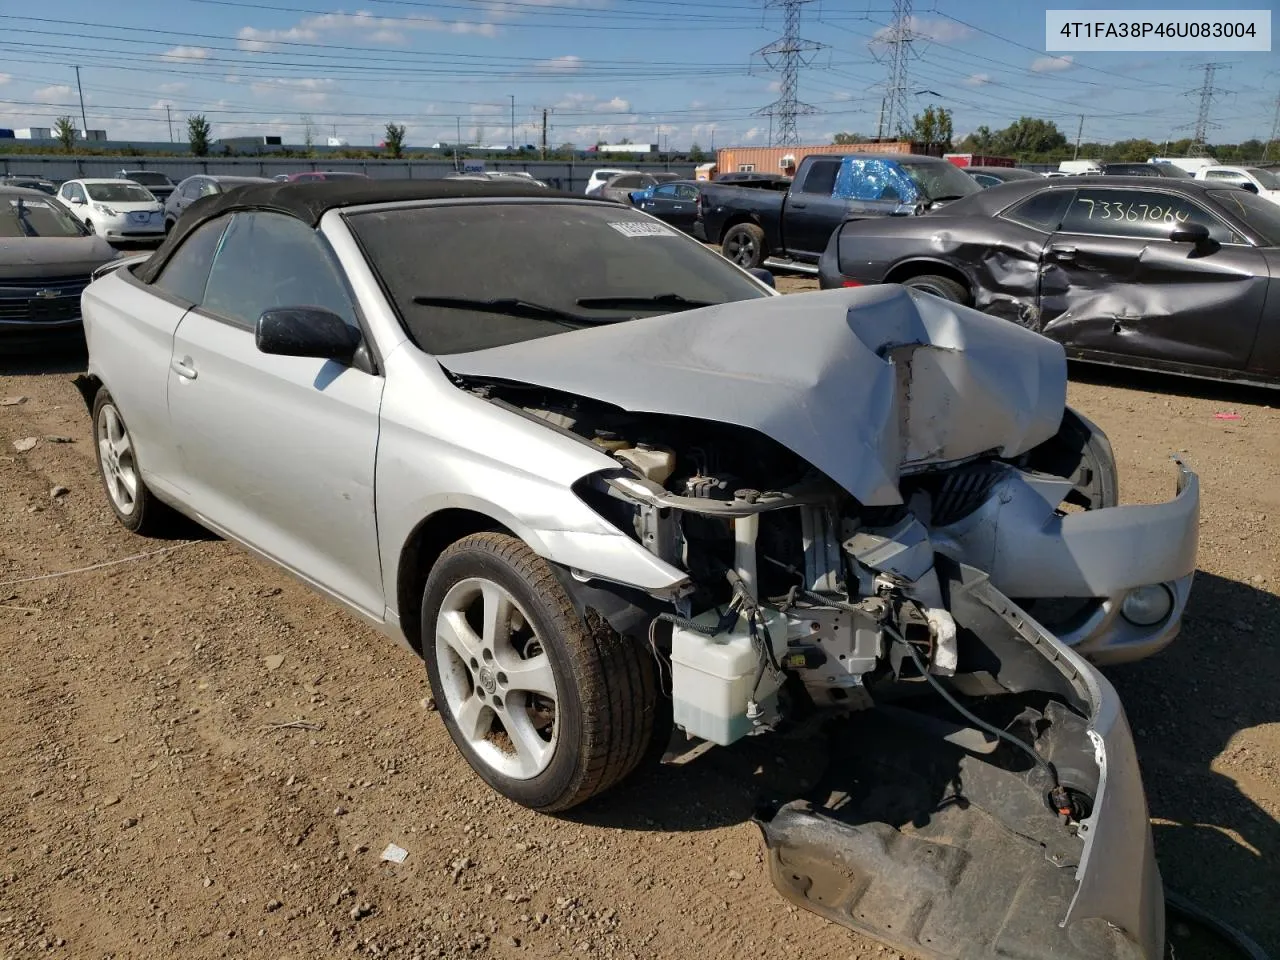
(930, 28)
(775, 86)
(4, 78)
(977, 79)
(565, 64)
(753, 134)
(176, 87)
(180, 54)
(616, 105)
(53, 94)
(372, 28)
(160, 105)
(1052, 64)
(842, 96)
(297, 83)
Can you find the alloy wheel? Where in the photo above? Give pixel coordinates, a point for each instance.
(119, 468)
(497, 679)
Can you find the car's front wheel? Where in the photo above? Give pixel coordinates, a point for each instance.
(134, 505)
(943, 287)
(548, 708)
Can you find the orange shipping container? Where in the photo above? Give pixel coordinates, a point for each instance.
(771, 159)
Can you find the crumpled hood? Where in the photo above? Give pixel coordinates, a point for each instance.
(860, 383)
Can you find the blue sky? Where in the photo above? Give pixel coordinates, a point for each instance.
(605, 69)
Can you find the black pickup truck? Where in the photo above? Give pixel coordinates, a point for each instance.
(753, 225)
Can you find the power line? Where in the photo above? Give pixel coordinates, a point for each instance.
(787, 55)
(902, 33)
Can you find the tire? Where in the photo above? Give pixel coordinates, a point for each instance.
(744, 245)
(550, 749)
(943, 287)
(137, 509)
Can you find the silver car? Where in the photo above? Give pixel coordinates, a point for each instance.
(605, 482)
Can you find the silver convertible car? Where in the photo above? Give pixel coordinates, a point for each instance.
(606, 484)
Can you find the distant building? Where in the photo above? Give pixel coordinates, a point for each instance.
(92, 134)
(785, 159)
(338, 142)
(34, 133)
(250, 143)
(635, 149)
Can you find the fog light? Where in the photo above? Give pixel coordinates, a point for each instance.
(1146, 606)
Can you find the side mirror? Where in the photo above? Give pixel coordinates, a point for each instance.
(1196, 233)
(1249, 186)
(77, 200)
(306, 332)
(764, 276)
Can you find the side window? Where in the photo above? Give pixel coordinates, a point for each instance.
(985, 179)
(271, 260)
(187, 271)
(191, 189)
(685, 192)
(821, 178)
(1041, 211)
(1223, 175)
(207, 188)
(665, 192)
(1142, 214)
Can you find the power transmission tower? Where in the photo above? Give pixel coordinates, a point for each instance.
(1207, 93)
(1275, 129)
(897, 42)
(787, 55)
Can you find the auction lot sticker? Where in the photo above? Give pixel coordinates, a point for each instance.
(1168, 30)
(640, 228)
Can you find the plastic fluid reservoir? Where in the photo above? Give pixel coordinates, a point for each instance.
(712, 677)
(656, 463)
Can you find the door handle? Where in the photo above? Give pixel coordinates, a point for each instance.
(184, 368)
(798, 206)
(1062, 253)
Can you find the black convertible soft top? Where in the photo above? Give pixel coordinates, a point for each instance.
(310, 200)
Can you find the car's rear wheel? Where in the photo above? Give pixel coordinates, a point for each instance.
(548, 708)
(134, 505)
(744, 245)
(943, 287)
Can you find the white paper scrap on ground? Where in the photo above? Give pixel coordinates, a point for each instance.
(394, 854)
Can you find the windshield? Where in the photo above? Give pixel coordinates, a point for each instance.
(1174, 171)
(118, 193)
(1262, 216)
(1266, 179)
(149, 179)
(455, 273)
(940, 180)
(35, 217)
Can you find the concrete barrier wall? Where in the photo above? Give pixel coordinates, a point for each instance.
(564, 175)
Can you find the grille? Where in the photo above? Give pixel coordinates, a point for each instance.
(22, 299)
(962, 491)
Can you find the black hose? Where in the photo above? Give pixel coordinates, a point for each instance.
(977, 721)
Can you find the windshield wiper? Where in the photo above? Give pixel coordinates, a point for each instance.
(514, 307)
(661, 300)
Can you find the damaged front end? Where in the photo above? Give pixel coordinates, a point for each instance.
(984, 797)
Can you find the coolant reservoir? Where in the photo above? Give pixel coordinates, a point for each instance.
(712, 677)
(655, 463)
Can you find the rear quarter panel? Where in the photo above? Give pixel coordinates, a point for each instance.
(728, 205)
(129, 331)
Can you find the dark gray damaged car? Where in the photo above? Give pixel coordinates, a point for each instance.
(1169, 275)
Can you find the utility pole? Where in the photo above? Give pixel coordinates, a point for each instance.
(787, 55)
(544, 133)
(880, 121)
(82, 116)
(168, 113)
(1207, 93)
(1079, 134)
(513, 120)
(456, 167)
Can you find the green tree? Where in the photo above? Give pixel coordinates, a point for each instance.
(851, 138)
(695, 154)
(1028, 136)
(64, 131)
(932, 128)
(395, 140)
(198, 133)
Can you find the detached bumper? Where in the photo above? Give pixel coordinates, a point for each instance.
(1034, 553)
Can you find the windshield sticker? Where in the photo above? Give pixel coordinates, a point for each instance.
(642, 228)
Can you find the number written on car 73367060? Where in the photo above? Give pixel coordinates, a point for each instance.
(1133, 212)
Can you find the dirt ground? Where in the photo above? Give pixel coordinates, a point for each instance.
(199, 758)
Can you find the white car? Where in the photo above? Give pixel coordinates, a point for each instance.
(1264, 183)
(602, 176)
(116, 210)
